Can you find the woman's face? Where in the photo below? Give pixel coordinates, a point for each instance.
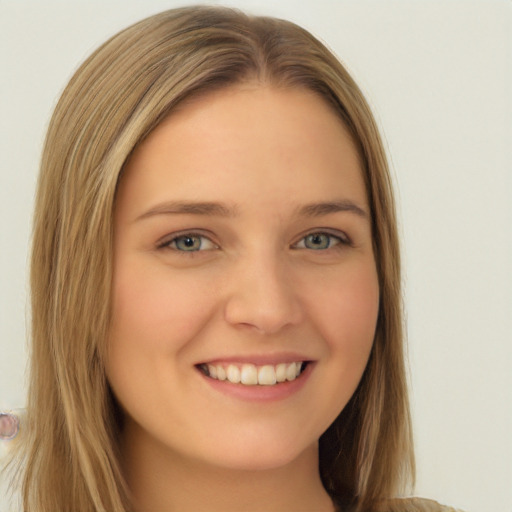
(243, 250)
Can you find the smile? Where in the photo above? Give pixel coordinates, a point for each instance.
(252, 375)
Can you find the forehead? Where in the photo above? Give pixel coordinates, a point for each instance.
(282, 143)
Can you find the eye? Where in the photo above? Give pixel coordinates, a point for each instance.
(188, 242)
(319, 241)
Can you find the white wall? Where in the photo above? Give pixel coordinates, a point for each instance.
(439, 76)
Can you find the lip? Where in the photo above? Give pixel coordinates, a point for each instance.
(260, 394)
(259, 359)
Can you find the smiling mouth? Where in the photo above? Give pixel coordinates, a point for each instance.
(253, 375)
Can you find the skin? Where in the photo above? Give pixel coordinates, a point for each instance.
(255, 289)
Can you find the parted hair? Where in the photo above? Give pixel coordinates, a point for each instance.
(68, 446)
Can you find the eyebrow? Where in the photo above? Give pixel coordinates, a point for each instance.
(221, 210)
(189, 208)
(325, 208)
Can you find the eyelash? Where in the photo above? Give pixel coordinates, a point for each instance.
(340, 241)
(168, 244)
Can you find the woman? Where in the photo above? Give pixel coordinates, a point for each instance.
(215, 281)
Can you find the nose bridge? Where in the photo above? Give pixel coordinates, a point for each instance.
(262, 293)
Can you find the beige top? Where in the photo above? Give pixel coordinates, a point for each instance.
(413, 505)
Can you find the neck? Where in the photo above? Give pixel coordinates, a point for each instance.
(161, 479)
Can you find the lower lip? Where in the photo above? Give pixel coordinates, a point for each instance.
(257, 393)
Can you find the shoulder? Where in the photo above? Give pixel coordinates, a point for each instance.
(413, 505)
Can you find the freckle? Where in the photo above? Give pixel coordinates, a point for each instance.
(9, 426)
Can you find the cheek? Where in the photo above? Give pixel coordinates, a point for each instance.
(343, 308)
(159, 309)
(346, 313)
(347, 309)
(155, 317)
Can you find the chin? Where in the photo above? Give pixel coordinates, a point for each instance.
(263, 456)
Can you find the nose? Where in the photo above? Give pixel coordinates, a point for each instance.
(262, 297)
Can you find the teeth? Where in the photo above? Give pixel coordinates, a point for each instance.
(267, 375)
(249, 375)
(233, 374)
(291, 371)
(281, 372)
(221, 373)
(212, 370)
(252, 375)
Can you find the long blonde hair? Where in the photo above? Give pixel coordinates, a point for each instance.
(115, 99)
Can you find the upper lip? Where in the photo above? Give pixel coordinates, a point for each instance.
(258, 359)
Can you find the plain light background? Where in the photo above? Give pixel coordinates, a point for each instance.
(438, 75)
